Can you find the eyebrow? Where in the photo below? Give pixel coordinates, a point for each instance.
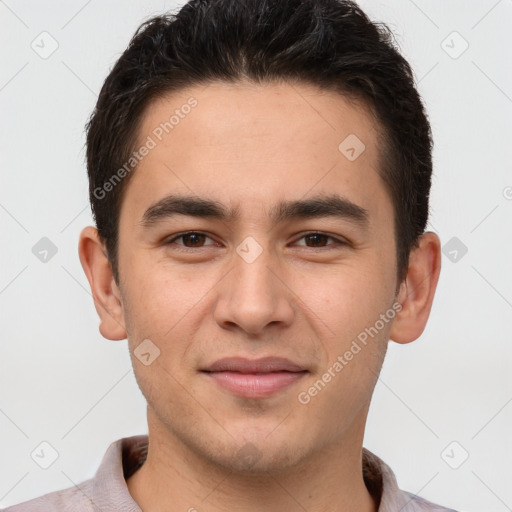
(315, 207)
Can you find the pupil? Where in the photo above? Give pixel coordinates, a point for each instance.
(317, 238)
(196, 238)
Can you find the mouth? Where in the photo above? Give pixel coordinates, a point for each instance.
(257, 378)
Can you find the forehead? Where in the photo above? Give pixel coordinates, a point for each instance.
(223, 114)
(248, 145)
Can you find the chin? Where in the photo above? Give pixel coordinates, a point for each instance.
(258, 449)
(253, 459)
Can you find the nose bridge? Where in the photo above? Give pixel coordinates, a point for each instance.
(252, 275)
(253, 297)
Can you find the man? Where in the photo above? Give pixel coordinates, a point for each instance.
(259, 177)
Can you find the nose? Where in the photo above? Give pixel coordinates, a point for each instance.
(254, 296)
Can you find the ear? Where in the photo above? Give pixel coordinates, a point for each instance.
(105, 292)
(416, 292)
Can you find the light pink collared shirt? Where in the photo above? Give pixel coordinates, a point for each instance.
(107, 490)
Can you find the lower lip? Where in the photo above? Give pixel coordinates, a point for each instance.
(255, 385)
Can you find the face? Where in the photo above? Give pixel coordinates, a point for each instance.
(258, 257)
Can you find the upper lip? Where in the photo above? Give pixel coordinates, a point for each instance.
(262, 365)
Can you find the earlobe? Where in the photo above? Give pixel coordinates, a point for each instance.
(107, 299)
(416, 293)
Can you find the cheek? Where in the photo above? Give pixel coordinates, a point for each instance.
(160, 296)
(168, 307)
(346, 299)
(354, 349)
(158, 309)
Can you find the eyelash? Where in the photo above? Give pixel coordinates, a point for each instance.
(338, 241)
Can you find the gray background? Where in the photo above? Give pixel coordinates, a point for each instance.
(441, 399)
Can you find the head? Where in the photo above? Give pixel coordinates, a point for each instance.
(255, 125)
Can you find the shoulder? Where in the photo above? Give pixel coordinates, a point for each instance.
(105, 492)
(381, 482)
(417, 504)
(72, 499)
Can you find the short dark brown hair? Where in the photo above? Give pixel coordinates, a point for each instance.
(328, 43)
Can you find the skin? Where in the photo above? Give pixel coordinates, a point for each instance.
(304, 299)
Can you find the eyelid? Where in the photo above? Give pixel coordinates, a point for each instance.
(338, 239)
(184, 233)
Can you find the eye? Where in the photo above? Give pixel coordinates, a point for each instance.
(197, 240)
(319, 240)
(191, 240)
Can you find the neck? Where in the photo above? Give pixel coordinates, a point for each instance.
(174, 478)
